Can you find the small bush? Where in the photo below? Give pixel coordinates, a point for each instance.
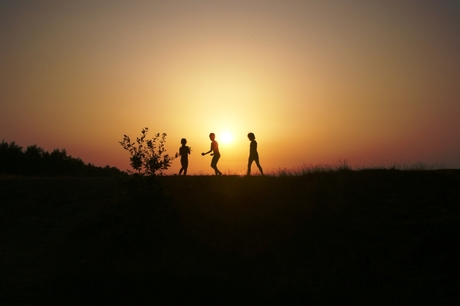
(148, 155)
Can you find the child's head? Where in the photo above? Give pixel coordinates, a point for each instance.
(183, 141)
(251, 136)
(212, 136)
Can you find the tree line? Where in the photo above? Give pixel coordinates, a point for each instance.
(34, 161)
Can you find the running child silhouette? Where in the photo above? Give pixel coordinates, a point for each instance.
(253, 154)
(215, 153)
(184, 151)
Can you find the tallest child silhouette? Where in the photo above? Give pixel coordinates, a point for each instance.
(253, 154)
(215, 153)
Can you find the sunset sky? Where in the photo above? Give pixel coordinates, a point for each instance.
(318, 82)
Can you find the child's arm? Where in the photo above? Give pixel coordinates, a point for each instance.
(207, 152)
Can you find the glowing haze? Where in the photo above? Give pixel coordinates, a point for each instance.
(371, 82)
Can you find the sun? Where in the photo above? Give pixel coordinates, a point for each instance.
(226, 137)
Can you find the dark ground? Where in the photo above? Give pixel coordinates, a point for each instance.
(342, 237)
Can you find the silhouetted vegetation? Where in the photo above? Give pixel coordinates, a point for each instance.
(368, 237)
(148, 155)
(34, 161)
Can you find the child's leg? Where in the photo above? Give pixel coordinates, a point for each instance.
(185, 166)
(213, 164)
(258, 165)
(215, 159)
(249, 165)
(182, 167)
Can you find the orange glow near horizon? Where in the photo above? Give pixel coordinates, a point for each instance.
(317, 83)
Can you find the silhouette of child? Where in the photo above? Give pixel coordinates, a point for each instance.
(184, 151)
(215, 153)
(253, 154)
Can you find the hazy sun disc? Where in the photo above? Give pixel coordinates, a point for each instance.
(226, 137)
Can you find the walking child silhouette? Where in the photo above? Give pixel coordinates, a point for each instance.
(184, 151)
(215, 153)
(253, 154)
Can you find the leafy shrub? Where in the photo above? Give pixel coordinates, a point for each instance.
(148, 155)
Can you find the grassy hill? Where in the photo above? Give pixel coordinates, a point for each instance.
(342, 237)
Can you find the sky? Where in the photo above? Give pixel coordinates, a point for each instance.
(372, 83)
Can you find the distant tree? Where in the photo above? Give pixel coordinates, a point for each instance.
(148, 155)
(11, 158)
(34, 161)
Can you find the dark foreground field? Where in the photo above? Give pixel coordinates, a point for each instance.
(344, 237)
